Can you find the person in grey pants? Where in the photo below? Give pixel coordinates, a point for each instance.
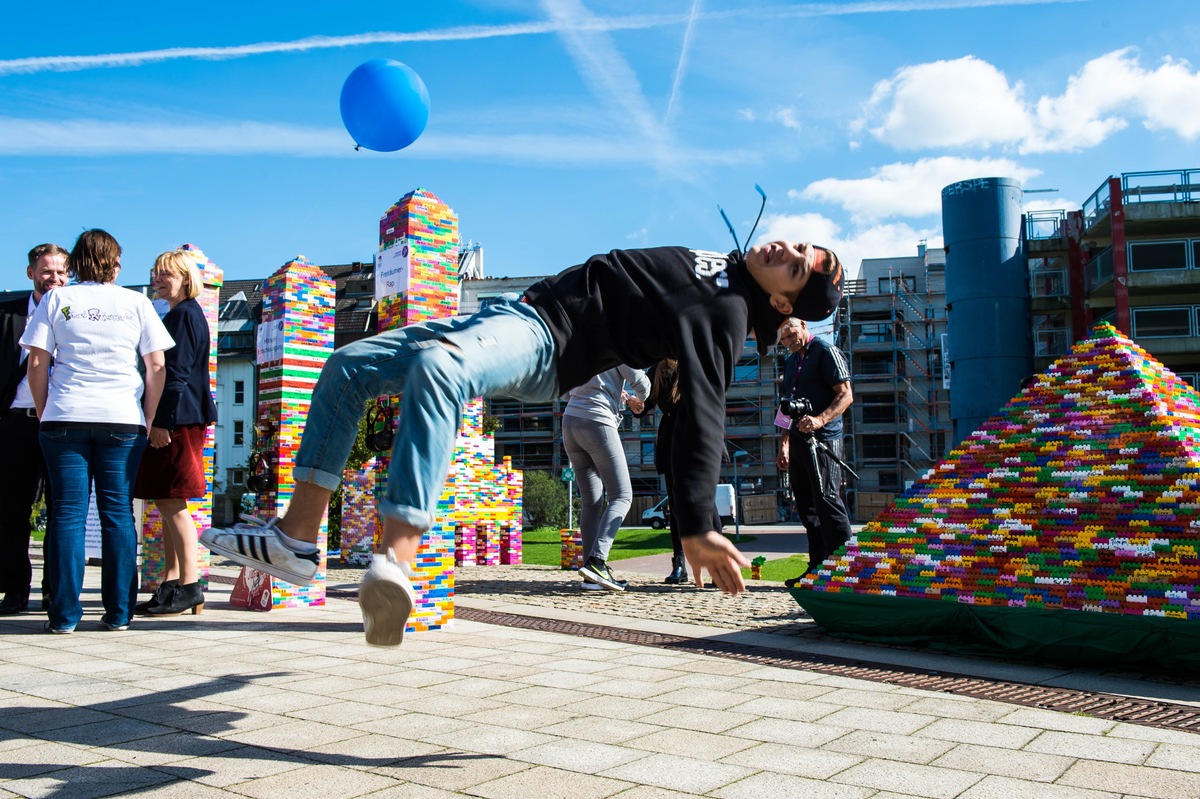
(594, 447)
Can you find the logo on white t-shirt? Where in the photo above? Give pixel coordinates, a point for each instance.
(96, 315)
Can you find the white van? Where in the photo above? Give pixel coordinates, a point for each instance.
(656, 517)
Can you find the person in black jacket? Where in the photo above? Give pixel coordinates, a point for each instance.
(627, 306)
(664, 395)
(172, 468)
(22, 470)
(811, 444)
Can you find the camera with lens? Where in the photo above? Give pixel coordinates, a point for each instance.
(795, 407)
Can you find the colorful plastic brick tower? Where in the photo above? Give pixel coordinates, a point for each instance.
(416, 278)
(359, 517)
(201, 507)
(295, 340)
(571, 556)
(1067, 527)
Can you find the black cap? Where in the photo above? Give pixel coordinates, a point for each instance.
(823, 291)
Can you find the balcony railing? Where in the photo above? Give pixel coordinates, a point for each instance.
(1100, 269)
(1177, 185)
(1045, 224)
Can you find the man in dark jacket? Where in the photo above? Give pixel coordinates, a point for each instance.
(628, 306)
(811, 443)
(21, 468)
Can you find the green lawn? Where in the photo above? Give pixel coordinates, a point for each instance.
(542, 546)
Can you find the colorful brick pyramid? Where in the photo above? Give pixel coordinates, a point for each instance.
(295, 340)
(1067, 527)
(201, 507)
(481, 500)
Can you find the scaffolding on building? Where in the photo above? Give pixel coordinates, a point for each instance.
(899, 424)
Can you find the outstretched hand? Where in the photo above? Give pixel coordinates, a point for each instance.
(715, 554)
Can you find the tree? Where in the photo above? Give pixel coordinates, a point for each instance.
(545, 500)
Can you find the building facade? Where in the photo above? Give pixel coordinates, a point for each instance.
(892, 326)
(1131, 256)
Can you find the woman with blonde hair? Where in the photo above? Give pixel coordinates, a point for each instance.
(172, 469)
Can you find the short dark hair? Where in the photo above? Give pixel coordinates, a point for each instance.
(96, 257)
(46, 249)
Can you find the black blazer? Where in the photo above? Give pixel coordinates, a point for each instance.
(186, 398)
(12, 327)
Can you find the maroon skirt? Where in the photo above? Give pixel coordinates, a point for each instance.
(175, 471)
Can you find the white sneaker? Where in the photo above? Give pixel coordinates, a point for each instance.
(257, 544)
(386, 599)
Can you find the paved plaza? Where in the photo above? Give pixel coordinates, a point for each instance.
(539, 689)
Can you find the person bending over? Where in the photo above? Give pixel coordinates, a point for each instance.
(627, 306)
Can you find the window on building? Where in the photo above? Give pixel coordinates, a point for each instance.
(239, 392)
(877, 408)
(1162, 322)
(940, 441)
(647, 452)
(879, 447)
(870, 364)
(889, 480)
(874, 333)
(894, 285)
(239, 433)
(237, 477)
(1148, 255)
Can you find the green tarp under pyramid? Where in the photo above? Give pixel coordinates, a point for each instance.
(1066, 528)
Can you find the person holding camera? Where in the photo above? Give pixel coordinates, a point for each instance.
(816, 392)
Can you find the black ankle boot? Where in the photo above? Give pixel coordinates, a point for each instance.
(161, 595)
(182, 598)
(678, 571)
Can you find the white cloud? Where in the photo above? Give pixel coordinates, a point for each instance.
(907, 189)
(968, 102)
(873, 241)
(788, 118)
(946, 104)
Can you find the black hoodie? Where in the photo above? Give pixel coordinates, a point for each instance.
(639, 306)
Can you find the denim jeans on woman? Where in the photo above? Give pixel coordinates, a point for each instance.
(111, 459)
(505, 349)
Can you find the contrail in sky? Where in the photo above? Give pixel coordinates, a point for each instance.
(71, 63)
(681, 67)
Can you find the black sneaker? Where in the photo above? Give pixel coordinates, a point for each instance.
(598, 572)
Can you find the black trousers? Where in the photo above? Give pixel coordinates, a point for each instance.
(822, 512)
(22, 476)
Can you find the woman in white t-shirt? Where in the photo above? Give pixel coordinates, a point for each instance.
(93, 407)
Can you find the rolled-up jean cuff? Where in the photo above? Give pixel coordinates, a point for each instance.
(422, 520)
(307, 474)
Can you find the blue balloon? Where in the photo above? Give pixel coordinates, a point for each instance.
(385, 105)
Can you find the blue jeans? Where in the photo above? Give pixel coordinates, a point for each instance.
(438, 366)
(75, 457)
(599, 461)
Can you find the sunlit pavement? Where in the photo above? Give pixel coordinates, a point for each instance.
(293, 703)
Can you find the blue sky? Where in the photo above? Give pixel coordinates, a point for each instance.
(562, 128)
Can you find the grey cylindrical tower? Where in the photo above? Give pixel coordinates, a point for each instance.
(987, 297)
